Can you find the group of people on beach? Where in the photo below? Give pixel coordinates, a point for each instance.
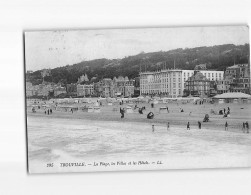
(49, 111)
(225, 112)
(245, 127)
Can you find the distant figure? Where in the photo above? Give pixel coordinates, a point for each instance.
(247, 126)
(152, 105)
(226, 126)
(45, 112)
(152, 128)
(167, 109)
(51, 111)
(140, 110)
(71, 110)
(199, 124)
(224, 110)
(122, 113)
(188, 126)
(181, 110)
(243, 127)
(228, 109)
(150, 115)
(225, 115)
(168, 125)
(48, 111)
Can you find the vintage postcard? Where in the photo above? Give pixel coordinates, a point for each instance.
(137, 99)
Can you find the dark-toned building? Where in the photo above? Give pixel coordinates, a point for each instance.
(71, 89)
(239, 78)
(197, 85)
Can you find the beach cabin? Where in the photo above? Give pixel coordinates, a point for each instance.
(235, 97)
(86, 109)
(155, 101)
(163, 110)
(220, 101)
(96, 109)
(129, 109)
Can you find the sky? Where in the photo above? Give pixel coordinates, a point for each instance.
(51, 49)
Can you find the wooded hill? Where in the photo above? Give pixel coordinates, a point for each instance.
(216, 57)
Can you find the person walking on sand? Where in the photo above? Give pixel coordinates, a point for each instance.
(122, 113)
(243, 127)
(247, 126)
(51, 111)
(224, 110)
(199, 124)
(45, 112)
(48, 111)
(167, 125)
(188, 126)
(226, 126)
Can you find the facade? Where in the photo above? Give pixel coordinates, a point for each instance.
(200, 67)
(223, 86)
(83, 78)
(80, 90)
(198, 85)
(171, 83)
(85, 90)
(43, 90)
(239, 76)
(59, 90)
(71, 89)
(89, 90)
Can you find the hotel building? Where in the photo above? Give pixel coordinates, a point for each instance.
(171, 82)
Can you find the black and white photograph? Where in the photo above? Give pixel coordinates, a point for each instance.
(127, 99)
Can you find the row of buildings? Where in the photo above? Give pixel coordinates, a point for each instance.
(107, 87)
(199, 82)
(166, 82)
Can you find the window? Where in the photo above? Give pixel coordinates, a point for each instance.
(208, 74)
(174, 85)
(179, 79)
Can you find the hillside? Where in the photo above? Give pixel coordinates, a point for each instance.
(216, 57)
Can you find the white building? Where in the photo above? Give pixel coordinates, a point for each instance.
(171, 83)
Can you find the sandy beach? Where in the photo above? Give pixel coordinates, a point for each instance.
(65, 137)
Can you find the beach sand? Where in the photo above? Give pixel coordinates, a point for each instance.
(65, 137)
